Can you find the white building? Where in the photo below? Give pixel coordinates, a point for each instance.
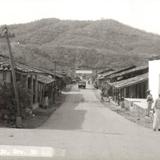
(154, 77)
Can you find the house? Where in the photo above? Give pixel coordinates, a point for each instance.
(134, 87)
(46, 84)
(35, 80)
(59, 77)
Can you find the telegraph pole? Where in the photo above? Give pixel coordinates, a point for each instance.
(5, 34)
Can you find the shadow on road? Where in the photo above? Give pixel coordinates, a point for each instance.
(67, 116)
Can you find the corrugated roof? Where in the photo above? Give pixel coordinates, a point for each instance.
(129, 71)
(130, 81)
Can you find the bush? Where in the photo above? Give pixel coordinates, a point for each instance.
(8, 103)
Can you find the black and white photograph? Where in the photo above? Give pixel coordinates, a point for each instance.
(79, 79)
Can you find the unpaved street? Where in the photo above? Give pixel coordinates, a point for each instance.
(83, 128)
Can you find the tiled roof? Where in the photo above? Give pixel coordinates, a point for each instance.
(47, 72)
(116, 71)
(5, 65)
(155, 57)
(130, 81)
(129, 71)
(105, 71)
(105, 75)
(27, 69)
(45, 79)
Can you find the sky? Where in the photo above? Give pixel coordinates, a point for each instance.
(142, 14)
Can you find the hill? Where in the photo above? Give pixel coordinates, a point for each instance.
(103, 43)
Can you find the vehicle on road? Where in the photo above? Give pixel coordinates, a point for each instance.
(82, 84)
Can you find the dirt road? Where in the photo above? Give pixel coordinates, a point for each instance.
(83, 128)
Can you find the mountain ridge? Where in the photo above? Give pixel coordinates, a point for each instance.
(96, 43)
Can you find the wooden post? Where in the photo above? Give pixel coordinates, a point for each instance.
(52, 93)
(31, 90)
(137, 93)
(125, 93)
(40, 93)
(26, 82)
(36, 89)
(12, 63)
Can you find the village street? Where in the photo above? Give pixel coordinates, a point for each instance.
(83, 128)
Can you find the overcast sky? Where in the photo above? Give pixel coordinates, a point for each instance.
(143, 14)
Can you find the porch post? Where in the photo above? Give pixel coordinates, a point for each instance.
(36, 89)
(26, 82)
(32, 90)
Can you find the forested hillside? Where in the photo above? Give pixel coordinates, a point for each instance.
(103, 43)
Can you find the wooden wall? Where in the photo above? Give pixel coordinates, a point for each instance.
(132, 91)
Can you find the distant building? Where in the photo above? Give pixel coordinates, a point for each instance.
(127, 83)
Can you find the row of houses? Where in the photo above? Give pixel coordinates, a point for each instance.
(128, 82)
(39, 81)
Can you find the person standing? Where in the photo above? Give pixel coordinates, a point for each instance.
(149, 102)
(119, 98)
(46, 102)
(156, 119)
(122, 103)
(102, 92)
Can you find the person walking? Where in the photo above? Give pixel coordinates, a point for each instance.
(149, 102)
(156, 119)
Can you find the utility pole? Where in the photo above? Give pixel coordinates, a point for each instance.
(5, 34)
